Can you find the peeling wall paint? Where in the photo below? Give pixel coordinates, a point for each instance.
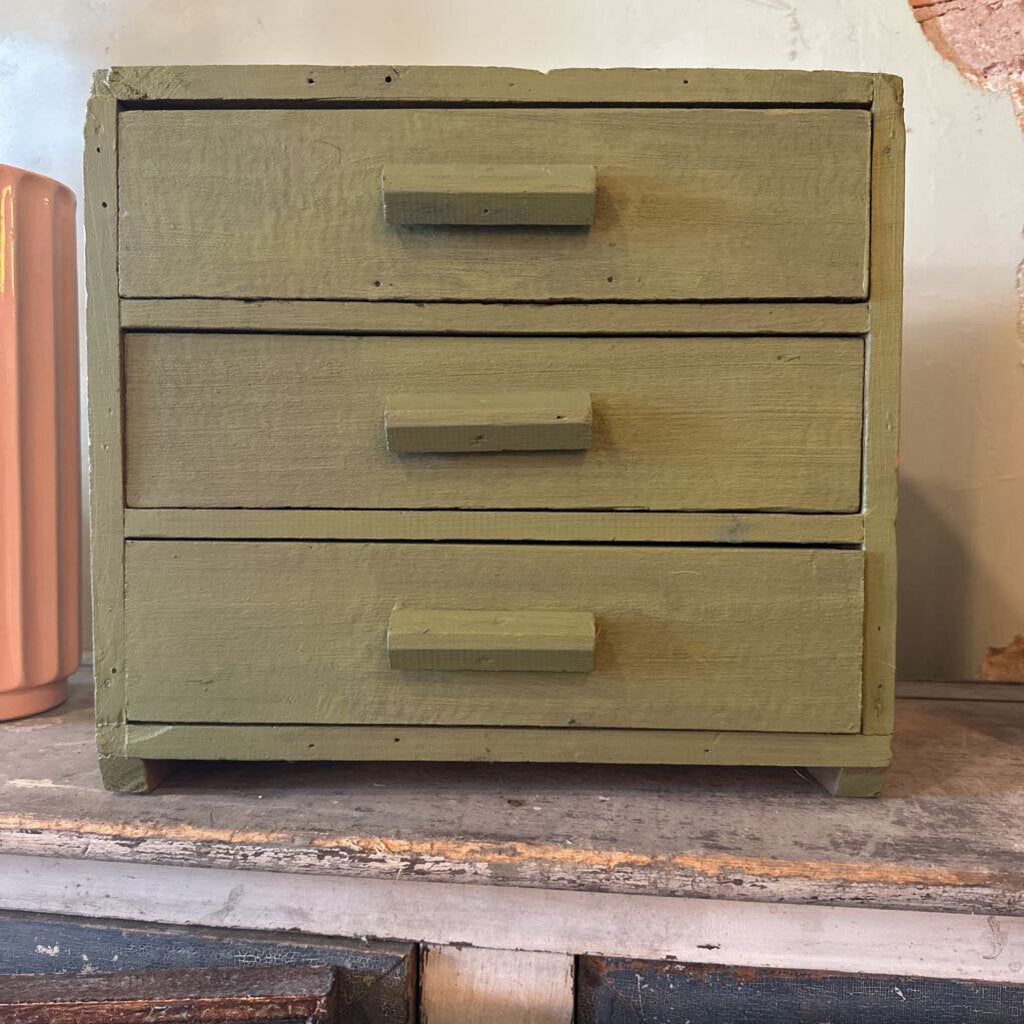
(983, 39)
(962, 465)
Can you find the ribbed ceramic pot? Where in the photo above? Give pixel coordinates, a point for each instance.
(39, 447)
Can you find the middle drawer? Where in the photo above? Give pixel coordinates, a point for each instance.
(678, 424)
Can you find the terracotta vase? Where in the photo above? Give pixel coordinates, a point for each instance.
(39, 451)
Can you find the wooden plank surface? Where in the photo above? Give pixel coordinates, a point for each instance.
(469, 318)
(462, 743)
(212, 83)
(690, 638)
(692, 204)
(396, 524)
(106, 450)
(615, 990)
(496, 986)
(688, 929)
(698, 424)
(272, 995)
(943, 836)
(376, 980)
(882, 411)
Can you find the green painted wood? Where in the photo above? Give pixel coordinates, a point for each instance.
(469, 743)
(392, 524)
(690, 638)
(438, 84)
(678, 423)
(694, 204)
(561, 195)
(605, 318)
(106, 449)
(131, 774)
(488, 421)
(882, 419)
(442, 640)
(802, 245)
(847, 781)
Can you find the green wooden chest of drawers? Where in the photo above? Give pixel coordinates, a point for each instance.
(479, 414)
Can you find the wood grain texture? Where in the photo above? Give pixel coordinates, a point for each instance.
(546, 746)
(691, 638)
(627, 991)
(106, 451)
(484, 195)
(470, 318)
(488, 421)
(376, 981)
(465, 985)
(384, 524)
(944, 837)
(882, 418)
(693, 204)
(441, 640)
(300, 83)
(271, 995)
(694, 424)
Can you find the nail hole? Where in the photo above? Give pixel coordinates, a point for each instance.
(104, 205)
(610, 278)
(97, 149)
(387, 78)
(376, 284)
(312, 81)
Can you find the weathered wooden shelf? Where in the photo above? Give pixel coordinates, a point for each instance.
(945, 835)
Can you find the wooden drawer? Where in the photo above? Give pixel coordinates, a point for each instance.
(711, 203)
(255, 421)
(687, 638)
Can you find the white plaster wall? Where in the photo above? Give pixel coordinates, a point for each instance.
(962, 518)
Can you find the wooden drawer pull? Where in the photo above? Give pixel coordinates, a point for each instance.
(497, 641)
(557, 195)
(488, 421)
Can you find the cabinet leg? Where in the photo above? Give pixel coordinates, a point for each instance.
(131, 774)
(851, 781)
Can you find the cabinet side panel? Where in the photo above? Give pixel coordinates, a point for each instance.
(105, 451)
(881, 441)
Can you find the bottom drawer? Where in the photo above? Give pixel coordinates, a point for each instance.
(683, 637)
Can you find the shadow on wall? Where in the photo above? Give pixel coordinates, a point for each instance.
(957, 595)
(933, 587)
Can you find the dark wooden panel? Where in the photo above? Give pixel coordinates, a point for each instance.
(375, 983)
(218, 995)
(619, 991)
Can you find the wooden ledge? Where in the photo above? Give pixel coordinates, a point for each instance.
(944, 836)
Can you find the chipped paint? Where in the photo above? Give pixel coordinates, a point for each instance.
(454, 852)
(1005, 664)
(140, 830)
(982, 39)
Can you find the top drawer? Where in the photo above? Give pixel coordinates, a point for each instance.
(711, 203)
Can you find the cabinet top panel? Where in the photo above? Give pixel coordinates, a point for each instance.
(434, 84)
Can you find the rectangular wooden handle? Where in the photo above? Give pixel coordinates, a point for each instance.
(488, 421)
(494, 641)
(558, 195)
